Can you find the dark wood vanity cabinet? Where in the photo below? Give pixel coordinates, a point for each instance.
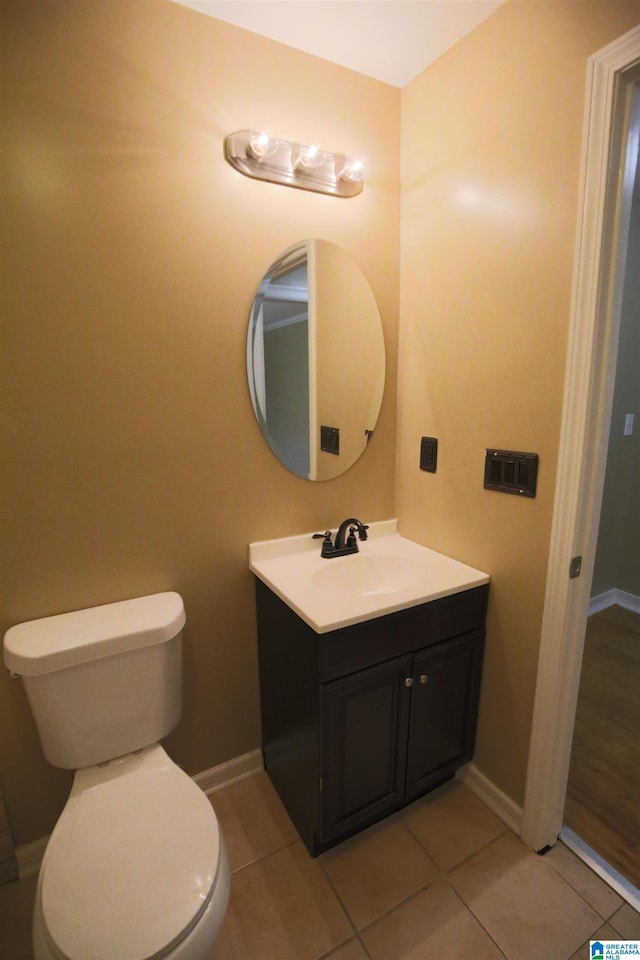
(360, 721)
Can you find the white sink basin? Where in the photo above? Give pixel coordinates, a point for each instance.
(389, 573)
(363, 575)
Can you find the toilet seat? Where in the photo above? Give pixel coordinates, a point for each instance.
(132, 862)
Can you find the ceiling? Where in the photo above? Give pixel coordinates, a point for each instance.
(391, 40)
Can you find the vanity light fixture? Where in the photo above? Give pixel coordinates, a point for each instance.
(261, 155)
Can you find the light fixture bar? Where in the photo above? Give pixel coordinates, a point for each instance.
(286, 165)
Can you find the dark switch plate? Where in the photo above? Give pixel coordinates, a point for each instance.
(428, 454)
(511, 472)
(330, 439)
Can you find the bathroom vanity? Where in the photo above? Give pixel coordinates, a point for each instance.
(370, 696)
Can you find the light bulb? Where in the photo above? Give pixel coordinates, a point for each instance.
(310, 156)
(354, 168)
(262, 144)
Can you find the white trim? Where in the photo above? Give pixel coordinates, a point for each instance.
(230, 772)
(602, 601)
(588, 392)
(502, 805)
(619, 883)
(614, 598)
(29, 855)
(312, 312)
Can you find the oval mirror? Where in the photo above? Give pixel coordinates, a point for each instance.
(315, 359)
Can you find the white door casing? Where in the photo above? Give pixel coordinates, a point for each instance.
(611, 122)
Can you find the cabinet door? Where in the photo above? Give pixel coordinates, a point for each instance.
(365, 719)
(443, 710)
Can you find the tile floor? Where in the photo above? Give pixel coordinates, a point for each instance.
(444, 879)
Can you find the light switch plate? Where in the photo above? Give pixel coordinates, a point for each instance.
(330, 440)
(511, 472)
(429, 454)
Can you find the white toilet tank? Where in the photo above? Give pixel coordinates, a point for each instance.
(102, 682)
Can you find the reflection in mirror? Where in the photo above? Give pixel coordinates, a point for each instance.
(315, 359)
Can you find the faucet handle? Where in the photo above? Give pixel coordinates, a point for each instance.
(327, 544)
(360, 529)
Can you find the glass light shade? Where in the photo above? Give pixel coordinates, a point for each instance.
(354, 168)
(310, 156)
(262, 144)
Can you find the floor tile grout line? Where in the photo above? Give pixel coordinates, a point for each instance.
(585, 945)
(615, 914)
(292, 843)
(441, 874)
(263, 856)
(472, 911)
(464, 860)
(395, 906)
(339, 946)
(401, 903)
(364, 946)
(507, 830)
(421, 846)
(337, 895)
(444, 875)
(390, 909)
(478, 920)
(583, 897)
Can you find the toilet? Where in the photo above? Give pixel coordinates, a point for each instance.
(136, 867)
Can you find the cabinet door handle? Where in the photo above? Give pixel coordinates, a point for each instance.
(423, 678)
(408, 681)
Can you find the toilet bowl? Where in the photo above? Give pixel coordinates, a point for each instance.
(136, 867)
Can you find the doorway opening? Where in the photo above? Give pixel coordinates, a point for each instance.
(601, 818)
(612, 126)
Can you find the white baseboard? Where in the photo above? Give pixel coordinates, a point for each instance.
(230, 772)
(502, 805)
(29, 855)
(614, 597)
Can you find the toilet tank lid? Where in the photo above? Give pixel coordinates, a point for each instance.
(53, 643)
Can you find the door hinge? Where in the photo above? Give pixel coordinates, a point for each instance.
(574, 567)
(320, 784)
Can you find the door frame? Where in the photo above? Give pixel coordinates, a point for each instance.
(601, 239)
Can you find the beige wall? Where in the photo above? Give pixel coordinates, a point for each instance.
(131, 459)
(491, 138)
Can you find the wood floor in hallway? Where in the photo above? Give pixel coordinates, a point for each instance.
(602, 805)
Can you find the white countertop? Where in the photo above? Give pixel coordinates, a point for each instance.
(389, 573)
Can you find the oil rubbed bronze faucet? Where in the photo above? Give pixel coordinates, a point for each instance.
(345, 542)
